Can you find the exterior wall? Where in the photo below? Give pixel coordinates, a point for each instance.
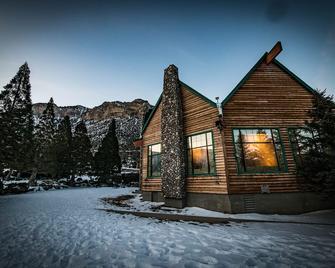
(280, 203)
(151, 135)
(198, 116)
(269, 98)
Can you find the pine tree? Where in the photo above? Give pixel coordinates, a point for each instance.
(45, 155)
(107, 159)
(2, 145)
(63, 147)
(81, 151)
(318, 166)
(16, 119)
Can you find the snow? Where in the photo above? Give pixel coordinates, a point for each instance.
(136, 204)
(64, 229)
(15, 182)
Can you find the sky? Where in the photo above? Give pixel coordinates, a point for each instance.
(87, 52)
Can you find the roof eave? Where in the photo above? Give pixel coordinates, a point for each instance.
(212, 103)
(146, 123)
(295, 77)
(244, 79)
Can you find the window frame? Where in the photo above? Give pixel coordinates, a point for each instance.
(214, 173)
(150, 161)
(240, 170)
(294, 151)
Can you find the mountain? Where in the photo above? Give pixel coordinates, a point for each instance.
(129, 119)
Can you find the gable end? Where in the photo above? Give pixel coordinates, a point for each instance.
(277, 63)
(146, 123)
(212, 103)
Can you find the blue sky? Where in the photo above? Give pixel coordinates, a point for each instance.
(87, 52)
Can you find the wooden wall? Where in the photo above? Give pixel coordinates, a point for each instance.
(269, 98)
(199, 116)
(151, 135)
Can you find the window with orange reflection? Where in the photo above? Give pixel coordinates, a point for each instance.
(200, 154)
(258, 150)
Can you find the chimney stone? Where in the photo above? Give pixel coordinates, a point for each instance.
(173, 160)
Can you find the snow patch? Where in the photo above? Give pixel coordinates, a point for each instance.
(64, 229)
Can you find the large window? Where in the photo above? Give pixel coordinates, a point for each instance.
(258, 150)
(154, 160)
(200, 154)
(299, 138)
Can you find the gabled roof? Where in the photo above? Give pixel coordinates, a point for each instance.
(259, 62)
(296, 78)
(238, 86)
(146, 123)
(210, 102)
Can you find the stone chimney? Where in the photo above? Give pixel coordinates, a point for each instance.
(173, 152)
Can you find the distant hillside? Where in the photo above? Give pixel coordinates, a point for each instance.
(128, 115)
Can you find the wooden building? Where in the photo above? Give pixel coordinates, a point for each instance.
(239, 156)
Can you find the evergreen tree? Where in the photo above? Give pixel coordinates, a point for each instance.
(63, 147)
(81, 151)
(16, 122)
(2, 141)
(107, 159)
(45, 155)
(318, 165)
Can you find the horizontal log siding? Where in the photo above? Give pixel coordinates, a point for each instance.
(151, 135)
(270, 98)
(200, 116)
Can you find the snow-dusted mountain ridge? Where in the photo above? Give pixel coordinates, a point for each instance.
(128, 115)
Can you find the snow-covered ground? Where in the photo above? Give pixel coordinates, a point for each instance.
(64, 229)
(137, 204)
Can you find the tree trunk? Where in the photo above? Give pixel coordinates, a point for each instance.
(32, 178)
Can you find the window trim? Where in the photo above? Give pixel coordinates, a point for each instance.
(214, 155)
(242, 172)
(148, 162)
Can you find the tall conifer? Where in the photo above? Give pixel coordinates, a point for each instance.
(107, 159)
(16, 119)
(45, 155)
(81, 151)
(63, 147)
(318, 165)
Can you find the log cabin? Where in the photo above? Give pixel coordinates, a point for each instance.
(236, 157)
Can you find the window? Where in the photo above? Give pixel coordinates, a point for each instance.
(154, 160)
(299, 138)
(258, 150)
(200, 154)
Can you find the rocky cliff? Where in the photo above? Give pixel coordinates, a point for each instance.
(128, 115)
